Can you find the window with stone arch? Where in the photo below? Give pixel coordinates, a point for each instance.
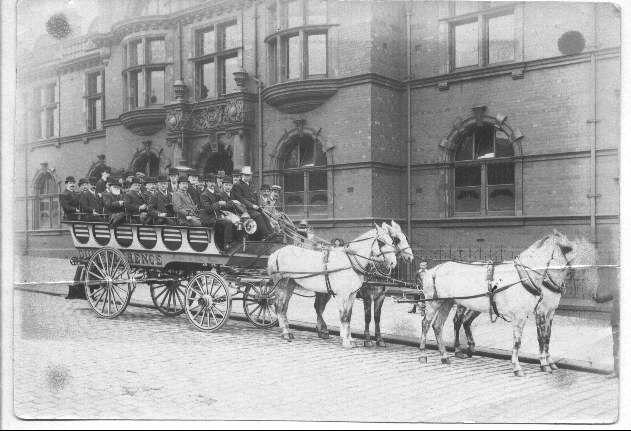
(304, 172)
(46, 203)
(483, 171)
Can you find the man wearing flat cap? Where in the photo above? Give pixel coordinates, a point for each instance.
(183, 205)
(135, 205)
(89, 202)
(242, 191)
(114, 203)
(69, 200)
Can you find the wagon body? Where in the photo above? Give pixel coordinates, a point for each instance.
(183, 267)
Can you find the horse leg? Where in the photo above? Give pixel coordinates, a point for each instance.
(458, 319)
(319, 304)
(549, 318)
(378, 301)
(518, 328)
(437, 325)
(367, 299)
(540, 321)
(346, 311)
(283, 293)
(428, 317)
(469, 318)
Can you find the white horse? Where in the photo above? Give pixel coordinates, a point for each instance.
(533, 283)
(344, 267)
(370, 294)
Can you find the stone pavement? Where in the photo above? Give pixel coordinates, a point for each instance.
(586, 341)
(70, 364)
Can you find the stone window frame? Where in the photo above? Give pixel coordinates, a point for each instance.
(145, 68)
(448, 20)
(283, 148)
(92, 98)
(449, 147)
(278, 41)
(49, 107)
(42, 177)
(218, 56)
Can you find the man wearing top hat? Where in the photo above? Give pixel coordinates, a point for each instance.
(88, 200)
(183, 205)
(243, 192)
(69, 200)
(135, 205)
(114, 203)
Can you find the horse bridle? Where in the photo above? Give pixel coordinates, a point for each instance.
(352, 256)
(546, 280)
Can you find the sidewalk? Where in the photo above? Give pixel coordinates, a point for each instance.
(583, 340)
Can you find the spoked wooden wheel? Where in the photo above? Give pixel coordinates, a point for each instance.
(208, 301)
(258, 304)
(108, 282)
(168, 295)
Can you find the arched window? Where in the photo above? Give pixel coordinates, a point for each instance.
(46, 203)
(484, 172)
(305, 178)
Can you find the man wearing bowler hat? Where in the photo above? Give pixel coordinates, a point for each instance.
(135, 205)
(88, 200)
(69, 200)
(159, 202)
(173, 177)
(242, 191)
(114, 203)
(101, 184)
(183, 205)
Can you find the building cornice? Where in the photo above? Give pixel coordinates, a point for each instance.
(58, 141)
(515, 70)
(129, 26)
(604, 152)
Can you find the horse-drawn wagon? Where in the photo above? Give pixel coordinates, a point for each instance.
(182, 266)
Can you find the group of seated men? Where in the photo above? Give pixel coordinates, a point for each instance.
(182, 198)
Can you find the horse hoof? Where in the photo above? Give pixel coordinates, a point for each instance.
(518, 373)
(553, 366)
(545, 368)
(287, 337)
(462, 355)
(381, 343)
(368, 343)
(422, 359)
(445, 361)
(323, 335)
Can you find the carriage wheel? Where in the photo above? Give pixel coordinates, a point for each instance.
(108, 282)
(168, 295)
(208, 301)
(258, 305)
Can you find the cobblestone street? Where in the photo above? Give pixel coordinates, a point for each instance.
(70, 364)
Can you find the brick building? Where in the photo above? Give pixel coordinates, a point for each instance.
(478, 125)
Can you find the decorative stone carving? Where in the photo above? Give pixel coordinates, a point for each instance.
(215, 116)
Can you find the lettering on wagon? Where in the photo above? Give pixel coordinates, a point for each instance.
(134, 258)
